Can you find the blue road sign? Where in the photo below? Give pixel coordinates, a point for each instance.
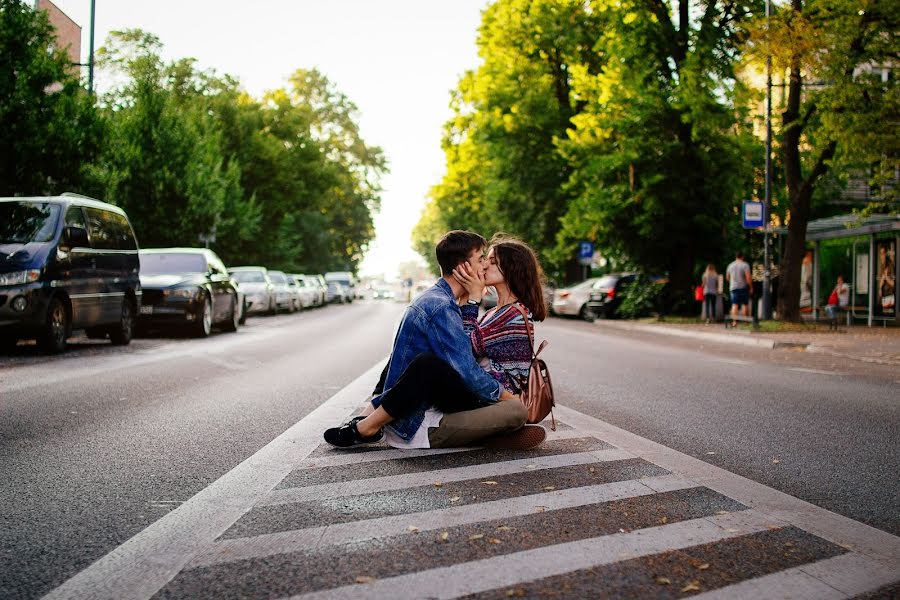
(754, 215)
(585, 253)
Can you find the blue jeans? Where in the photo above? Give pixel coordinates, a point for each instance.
(833, 310)
(709, 301)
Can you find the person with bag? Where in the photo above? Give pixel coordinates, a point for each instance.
(710, 291)
(432, 393)
(503, 338)
(838, 300)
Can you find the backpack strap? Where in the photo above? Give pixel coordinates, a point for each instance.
(529, 329)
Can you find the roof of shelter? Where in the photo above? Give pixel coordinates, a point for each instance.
(848, 226)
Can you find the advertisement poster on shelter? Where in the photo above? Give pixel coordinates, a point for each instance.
(885, 278)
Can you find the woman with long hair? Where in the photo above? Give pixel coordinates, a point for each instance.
(500, 337)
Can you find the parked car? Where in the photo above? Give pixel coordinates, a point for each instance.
(258, 292)
(346, 279)
(296, 294)
(308, 291)
(66, 262)
(337, 293)
(323, 288)
(606, 295)
(572, 300)
(188, 288)
(285, 297)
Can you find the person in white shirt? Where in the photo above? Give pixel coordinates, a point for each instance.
(841, 294)
(741, 286)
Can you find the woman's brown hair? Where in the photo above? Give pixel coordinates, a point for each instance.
(522, 272)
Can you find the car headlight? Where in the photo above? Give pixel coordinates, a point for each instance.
(181, 293)
(19, 277)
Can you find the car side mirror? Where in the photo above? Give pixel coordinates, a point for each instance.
(75, 237)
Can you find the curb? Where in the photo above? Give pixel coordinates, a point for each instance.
(817, 349)
(724, 338)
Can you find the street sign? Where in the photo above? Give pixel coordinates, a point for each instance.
(754, 215)
(585, 253)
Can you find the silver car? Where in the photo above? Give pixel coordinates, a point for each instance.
(573, 300)
(285, 296)
(257, 288)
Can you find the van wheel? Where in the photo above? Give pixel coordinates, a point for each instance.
(121, 335)
(52, 338)
(203, 325)
(586, 314)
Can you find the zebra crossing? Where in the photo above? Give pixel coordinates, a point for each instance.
(594, 512)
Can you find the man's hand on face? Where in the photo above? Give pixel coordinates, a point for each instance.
(472, 280)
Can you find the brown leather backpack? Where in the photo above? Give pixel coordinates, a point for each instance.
(537, 392)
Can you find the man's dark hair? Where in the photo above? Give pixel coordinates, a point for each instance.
(455, 247)
(739, 254)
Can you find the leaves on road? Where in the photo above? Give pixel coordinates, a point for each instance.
(365, 579)
(476, 536)
(549, 488)
(489, 482)
(693, 586)
(413, 529)
(455, 499)
(663, 580)
(775, 460)
(444, 537)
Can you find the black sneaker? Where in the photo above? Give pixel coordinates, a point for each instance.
(347, 435)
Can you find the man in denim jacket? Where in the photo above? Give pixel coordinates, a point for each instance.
(433, 393)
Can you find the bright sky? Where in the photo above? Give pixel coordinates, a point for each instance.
(397, 60)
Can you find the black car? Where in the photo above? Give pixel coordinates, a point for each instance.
(606, 294)
(189, 288)
(66, 262)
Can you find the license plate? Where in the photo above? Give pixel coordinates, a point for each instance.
(146, 310)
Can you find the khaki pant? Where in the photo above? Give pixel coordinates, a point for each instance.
(467, 427)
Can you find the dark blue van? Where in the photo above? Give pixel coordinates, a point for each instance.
(66, 262)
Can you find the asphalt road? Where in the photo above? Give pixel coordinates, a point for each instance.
(99, 443)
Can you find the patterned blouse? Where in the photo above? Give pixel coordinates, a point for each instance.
(500, 343)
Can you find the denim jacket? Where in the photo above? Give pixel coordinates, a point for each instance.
(433, 323)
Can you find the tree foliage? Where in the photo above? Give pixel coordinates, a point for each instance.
(840, 114)
(601, 121)
(48, 123)
(285, 180)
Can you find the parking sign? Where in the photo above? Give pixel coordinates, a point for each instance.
(585, 253)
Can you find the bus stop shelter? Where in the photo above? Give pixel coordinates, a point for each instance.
(864, 251)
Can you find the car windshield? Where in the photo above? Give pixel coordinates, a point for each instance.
(157, 263)
(248, 276)
(23, 222)
(276, 277)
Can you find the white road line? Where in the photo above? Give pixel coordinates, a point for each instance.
(511, 569)
(410, 480)
(149, 560)
(730, 361)
(814, 371)
(835, 528)
(843, 576)
(351, 458)
(232, 550)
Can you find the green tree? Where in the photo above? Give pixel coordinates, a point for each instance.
(663, 152)
(840, 113)
(49, 124)
(163, 162)
(504, 170)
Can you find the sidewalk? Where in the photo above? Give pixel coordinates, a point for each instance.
(879, 345)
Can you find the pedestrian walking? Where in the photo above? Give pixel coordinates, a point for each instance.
(740, 284)
(710, 285)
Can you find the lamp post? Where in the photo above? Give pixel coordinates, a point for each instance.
(91, 53)
(767, 273)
